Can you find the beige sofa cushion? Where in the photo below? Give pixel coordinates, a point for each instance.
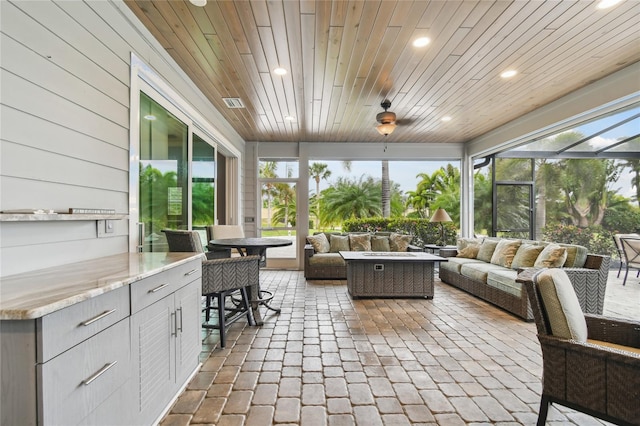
(478, 271)
(319, 242)
(454, 264)
(338, 243)
(505, 280)
(380, 243)
(486, 250)
(470, 251)
(526, 256)
(504, 252)
(399, 242)
(552, 256)
(360, 242)
(327, 259)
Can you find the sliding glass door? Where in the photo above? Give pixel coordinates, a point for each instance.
(177, 171)
(164, 174)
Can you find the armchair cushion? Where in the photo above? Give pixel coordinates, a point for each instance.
(319, 242)
(565, 316)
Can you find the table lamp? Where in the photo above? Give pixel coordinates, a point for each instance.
(441, 216)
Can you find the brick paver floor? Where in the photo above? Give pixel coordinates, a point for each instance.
(330, 360)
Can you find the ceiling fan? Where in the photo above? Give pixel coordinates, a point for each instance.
(387, 119)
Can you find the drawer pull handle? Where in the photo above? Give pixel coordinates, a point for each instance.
(191, 272)
(98, 373)
(98, 317)
(160, 287)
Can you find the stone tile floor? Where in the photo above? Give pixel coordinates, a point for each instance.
(330, 360)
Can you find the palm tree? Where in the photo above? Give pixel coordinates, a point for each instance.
(351, 199)
(634, 165)
(268, 170)
(318, 171)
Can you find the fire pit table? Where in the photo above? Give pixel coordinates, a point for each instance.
(390, 274)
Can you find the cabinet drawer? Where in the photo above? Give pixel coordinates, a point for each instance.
(151, 289)
(67, 327)
(79, 380)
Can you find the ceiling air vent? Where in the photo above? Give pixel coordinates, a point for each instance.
(233, 102)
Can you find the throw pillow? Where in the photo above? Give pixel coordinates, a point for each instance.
(338, 243)
(552, 256)
(561, 303)
(380, 243)
(470, 251)
(526, 256)
(319, 242)
(504, 252)
(360, 242)
(465, 242)
(486, 250)
(399, 242)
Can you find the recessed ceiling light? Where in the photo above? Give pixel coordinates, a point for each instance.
(150, 117)
(289, 118)
(199, 3)
(421, 42)
(446, 118)
(605, 4)
(280, 71)
(508, 73)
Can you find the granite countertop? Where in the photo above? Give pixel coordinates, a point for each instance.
(37, 293)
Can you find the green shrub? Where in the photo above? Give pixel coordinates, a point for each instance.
(596, 239)
(423, 231)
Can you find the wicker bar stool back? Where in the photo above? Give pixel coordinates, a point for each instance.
(224, 282)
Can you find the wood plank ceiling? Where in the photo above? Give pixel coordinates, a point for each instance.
(344, 57)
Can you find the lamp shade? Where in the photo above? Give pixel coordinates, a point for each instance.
(440, 215)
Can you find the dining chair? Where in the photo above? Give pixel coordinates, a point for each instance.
(224, 282)
(220, 232)
(590, 363)
(618, 244)
(631, 253)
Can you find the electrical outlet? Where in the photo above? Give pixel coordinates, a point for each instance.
(378, 267)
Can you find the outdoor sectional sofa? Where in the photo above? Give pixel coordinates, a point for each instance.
(487, 268)
(322, 259)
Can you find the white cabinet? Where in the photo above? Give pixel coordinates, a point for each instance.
(165, 339)
(117, 358)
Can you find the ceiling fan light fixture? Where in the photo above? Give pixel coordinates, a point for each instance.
(386, 128)
(387, 119)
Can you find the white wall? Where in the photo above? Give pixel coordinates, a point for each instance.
(64, 140)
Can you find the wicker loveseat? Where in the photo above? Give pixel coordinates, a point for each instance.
(322, 259)
(487, 268)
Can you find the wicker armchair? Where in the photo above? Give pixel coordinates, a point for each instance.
(594, 369)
